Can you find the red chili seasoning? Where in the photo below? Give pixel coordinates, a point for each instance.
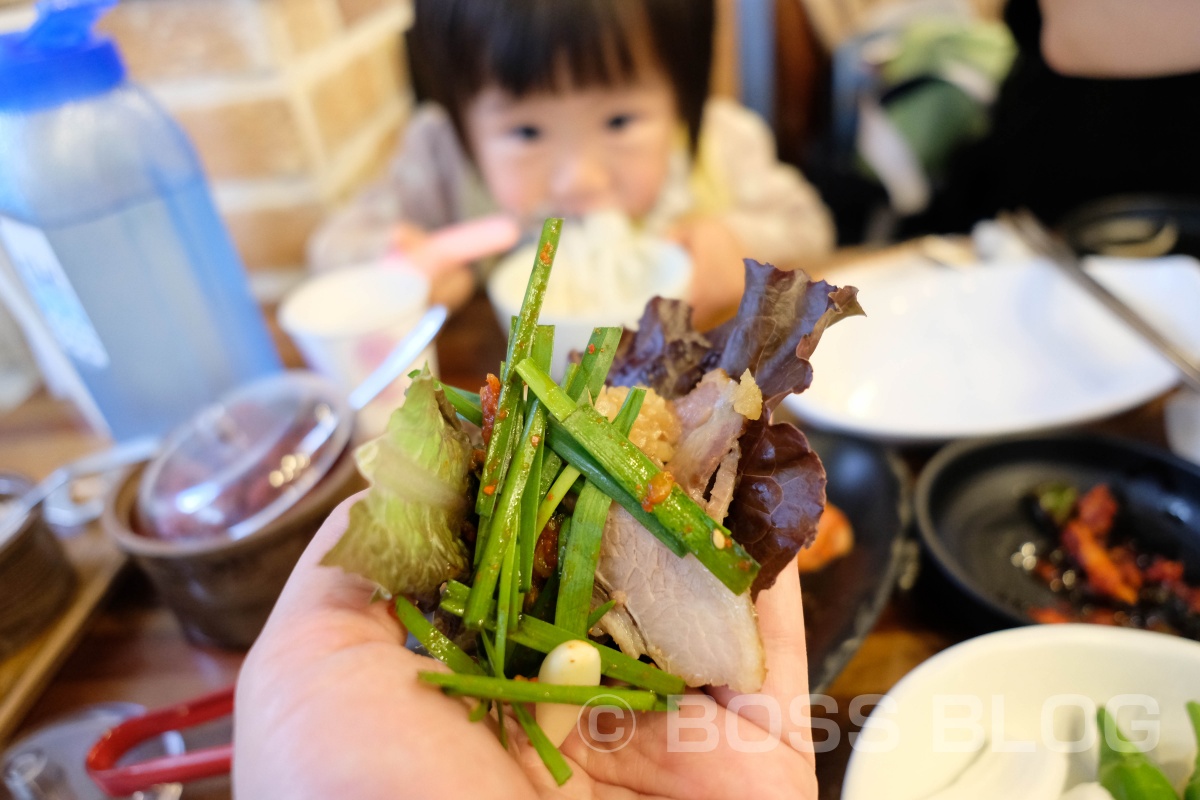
(591, 349)
(489, 398)
(658, 490)
(490, 489)
(547, 253)
(545, 553)
(534, 440)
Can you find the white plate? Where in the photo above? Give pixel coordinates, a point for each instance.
(997, 349)
(1027, 689)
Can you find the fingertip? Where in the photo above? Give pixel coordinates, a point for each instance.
(778, 606)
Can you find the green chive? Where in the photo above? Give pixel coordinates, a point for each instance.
(551, 757)
(434, 641)
(509, 691)
(599, 612)
(633, 470)
(544, 637)
(519, 347)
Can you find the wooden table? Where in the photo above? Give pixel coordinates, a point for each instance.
(133, 651)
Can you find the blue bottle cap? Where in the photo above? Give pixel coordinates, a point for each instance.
(59, 59)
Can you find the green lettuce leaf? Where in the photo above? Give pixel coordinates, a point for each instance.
(404, 532)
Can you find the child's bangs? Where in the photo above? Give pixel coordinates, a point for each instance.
(545, 43)
(460, 47)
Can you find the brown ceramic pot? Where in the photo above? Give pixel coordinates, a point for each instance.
(222, 590)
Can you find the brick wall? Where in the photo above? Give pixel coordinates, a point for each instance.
(292, 105)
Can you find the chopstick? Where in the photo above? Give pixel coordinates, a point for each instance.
(1041, 241)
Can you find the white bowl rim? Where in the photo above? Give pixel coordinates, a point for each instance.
(678, 272)
(1152, 644)
(1061, 634)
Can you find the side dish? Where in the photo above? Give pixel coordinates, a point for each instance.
(1103, 571)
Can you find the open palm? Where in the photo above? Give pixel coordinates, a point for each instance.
(329, 706)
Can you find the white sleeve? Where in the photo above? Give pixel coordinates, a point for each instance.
(776, 213)
(423, 186)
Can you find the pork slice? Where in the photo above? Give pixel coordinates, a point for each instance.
(711, 421)
(723, 485)
(673, 609)
(676, 611)
(708, 427)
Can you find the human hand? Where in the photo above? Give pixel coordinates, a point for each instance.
(446, 255)
(329, 705)
(450, 284)
(718, 275)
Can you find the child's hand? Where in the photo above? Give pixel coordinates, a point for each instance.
(718, 275)
(446, 255)
(450, 285)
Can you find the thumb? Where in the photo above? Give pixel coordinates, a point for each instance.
(781, 625)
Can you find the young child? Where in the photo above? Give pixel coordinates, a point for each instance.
(547, 108)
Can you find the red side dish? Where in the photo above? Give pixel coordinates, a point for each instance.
(1104, 574)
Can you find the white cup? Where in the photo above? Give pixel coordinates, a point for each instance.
(347, 321)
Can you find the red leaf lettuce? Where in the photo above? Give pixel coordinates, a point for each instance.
(781, 489)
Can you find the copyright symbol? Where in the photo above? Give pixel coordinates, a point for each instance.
(607, 724)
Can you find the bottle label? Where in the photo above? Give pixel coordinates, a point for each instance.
(40, 269)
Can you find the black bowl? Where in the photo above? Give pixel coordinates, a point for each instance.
(972, 519)
(1145, 225)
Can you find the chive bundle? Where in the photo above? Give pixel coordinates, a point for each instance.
(545, 438)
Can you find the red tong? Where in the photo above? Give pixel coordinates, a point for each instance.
(118, 781)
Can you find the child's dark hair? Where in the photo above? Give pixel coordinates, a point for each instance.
(460, 46)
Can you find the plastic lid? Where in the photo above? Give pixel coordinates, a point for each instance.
(244, 460)
(59, 59)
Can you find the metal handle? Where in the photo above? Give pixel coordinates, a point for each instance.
(401, 356)
(120, 455)
(1027, 227)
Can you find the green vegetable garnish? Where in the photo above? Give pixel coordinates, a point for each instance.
(554, 761)
(1192, 790)
(404, 534)
(684, 520)
(544, 637)
(520, 345)
(436, 643)
(598, 613)
(1124, 770)
(1057, 501)
(582, 556)
(505, 524)
(529, 692)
